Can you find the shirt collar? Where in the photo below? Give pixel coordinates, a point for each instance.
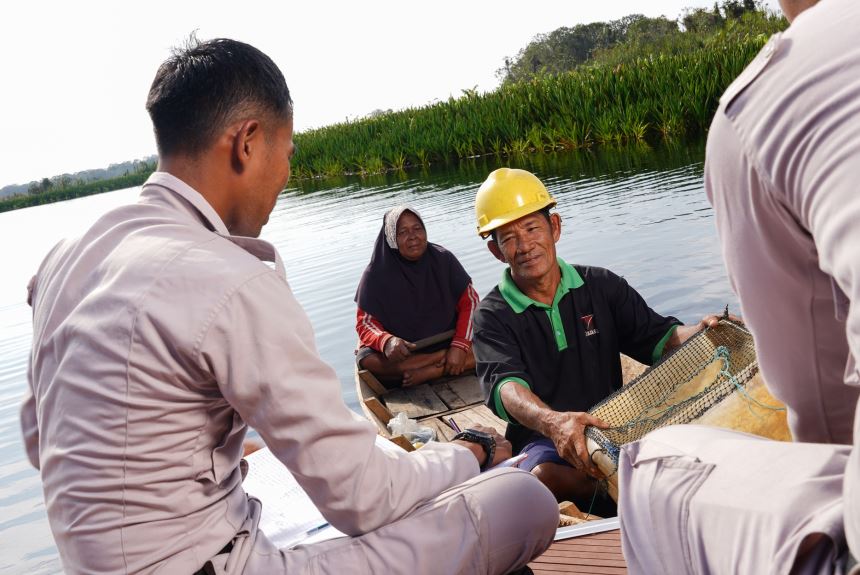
(192, 196)
(519, 302)
(261, 249)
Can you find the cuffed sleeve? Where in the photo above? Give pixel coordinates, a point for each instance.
(498, 359)
(466, 306)
(371, 333)
(661, 345)
(497, 397)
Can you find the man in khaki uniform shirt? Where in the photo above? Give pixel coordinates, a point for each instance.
(783, 174)
(168, 328)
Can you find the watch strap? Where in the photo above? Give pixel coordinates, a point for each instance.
(485, 440)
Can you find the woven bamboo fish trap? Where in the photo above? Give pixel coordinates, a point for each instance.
(713, 379)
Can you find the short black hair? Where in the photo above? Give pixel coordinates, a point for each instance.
(545, 211)
(206, 85)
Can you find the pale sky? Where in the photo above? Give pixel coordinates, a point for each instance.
(75, 74)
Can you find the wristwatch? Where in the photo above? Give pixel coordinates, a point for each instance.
(485, 440)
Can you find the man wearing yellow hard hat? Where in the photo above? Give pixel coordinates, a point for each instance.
(548, 336)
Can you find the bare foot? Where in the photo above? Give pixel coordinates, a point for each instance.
(423, 374)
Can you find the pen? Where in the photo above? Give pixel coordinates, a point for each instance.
(316, 529)
(453, 424)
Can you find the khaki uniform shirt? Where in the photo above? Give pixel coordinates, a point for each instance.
(783, 174)
(158, 338)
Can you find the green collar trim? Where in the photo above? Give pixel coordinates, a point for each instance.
(519, 302)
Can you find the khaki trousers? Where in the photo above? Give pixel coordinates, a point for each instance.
(697, 499)
(494, 523)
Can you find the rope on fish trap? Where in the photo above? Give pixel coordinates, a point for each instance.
(709, 367)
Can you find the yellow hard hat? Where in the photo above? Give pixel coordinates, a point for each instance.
(507, 195)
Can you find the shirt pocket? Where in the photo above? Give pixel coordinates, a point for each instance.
(682, 476)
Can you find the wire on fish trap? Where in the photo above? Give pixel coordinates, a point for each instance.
(706, 369)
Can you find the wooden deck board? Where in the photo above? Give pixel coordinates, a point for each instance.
(443, 431)
(596, 554)
(479, 415)
(416, 402)
(459, 392)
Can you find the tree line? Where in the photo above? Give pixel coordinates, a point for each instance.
(634, 36)
(593, 84)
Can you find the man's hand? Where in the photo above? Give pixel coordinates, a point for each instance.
(396, 349)
(503, 446)
(455, 360)
(568, 435)
(685, 332)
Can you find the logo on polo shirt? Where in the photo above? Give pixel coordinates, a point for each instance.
(588, 324)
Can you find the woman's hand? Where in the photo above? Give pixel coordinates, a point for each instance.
(455, 360)
(396, 349)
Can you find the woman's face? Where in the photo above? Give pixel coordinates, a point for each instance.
(411, 237)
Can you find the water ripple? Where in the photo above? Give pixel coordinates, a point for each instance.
(638, 214)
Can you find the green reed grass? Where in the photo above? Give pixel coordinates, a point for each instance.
(669, 96)
(664, 96)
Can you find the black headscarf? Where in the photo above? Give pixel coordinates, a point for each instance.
(412, 300)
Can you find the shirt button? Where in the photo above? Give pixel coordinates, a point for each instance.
(557, 332)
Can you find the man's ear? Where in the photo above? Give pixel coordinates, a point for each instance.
(245, 139)
(496, 251)
(555, 224)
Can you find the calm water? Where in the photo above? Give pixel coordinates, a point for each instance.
(641, 213)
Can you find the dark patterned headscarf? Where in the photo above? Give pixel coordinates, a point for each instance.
(412, 300)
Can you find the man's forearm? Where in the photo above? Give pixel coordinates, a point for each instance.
(527, 408)
(681, 334)
(684, 332)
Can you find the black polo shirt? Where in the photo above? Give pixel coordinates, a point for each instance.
(567, 353)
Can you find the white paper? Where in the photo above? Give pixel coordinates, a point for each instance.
(288, 512)
(289, 516)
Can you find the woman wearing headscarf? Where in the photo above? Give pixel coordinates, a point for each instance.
(410, 290)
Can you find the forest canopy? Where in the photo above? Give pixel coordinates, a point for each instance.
(634, 36)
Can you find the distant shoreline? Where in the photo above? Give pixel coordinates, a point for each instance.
(668, 96)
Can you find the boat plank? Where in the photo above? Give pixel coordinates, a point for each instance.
(443, 431)
(584, 557)
(418, 401)
(480, 415)
(578, 569)
(607, 538)
(459, 392)
(595, 554)
(600, 543)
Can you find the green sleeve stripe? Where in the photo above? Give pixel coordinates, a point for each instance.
(658, 349)
(497, 396)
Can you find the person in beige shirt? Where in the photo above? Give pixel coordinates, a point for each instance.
(167, 329)
(782, 172)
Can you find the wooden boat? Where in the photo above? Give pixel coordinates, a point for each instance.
(460, 398)
(432, 404)
(436, 403)
(598, 549)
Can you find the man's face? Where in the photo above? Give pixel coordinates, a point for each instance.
(528, 246)
(270, 176)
